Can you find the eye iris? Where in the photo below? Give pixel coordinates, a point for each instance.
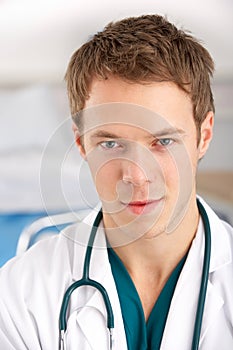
(110, 144)
(165, 142)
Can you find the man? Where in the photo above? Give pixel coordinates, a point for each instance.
(143, 114)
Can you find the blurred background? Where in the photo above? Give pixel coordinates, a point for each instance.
(39, 166)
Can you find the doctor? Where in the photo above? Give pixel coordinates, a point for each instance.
(143, 114)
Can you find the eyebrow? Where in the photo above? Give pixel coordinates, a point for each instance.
(159, 133)
(169, 131)
(105, 134)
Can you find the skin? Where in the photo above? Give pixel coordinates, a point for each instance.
(151, 256)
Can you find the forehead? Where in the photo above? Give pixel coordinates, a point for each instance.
(118, 113)
(142, 105)
(124, 120)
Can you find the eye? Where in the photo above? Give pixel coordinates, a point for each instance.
(165, 142)
(109, 144)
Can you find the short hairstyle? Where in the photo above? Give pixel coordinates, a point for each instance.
(143, 49)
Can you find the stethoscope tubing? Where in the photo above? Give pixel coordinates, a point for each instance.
(86, 281)
(204, 278)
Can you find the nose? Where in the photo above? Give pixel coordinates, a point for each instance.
(134, 174)
(138, 166)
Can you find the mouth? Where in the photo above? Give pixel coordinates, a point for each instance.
(142, 206)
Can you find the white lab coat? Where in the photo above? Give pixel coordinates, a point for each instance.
(32, 288)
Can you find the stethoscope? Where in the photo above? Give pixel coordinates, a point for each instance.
(87, 281)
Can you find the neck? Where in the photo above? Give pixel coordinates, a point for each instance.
(160, 254)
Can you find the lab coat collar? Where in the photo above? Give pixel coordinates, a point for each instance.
(220, 245)
(178, 332)
(80, 236)
(100, 271)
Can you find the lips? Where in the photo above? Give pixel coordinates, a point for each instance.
(140, 203)
(142, 206)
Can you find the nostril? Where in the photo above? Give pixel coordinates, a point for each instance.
(127, 179)
(135, 180)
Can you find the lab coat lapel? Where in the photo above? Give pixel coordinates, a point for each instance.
(88, 305)
(93, 324)
(178, 332)
(220, 256)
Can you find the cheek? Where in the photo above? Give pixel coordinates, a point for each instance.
(170, 172)
(106, 178)
(179, 171)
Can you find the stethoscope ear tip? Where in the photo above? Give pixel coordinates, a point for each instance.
(61, 340)
(110, 338)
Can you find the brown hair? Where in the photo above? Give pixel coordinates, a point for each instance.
(143, 49)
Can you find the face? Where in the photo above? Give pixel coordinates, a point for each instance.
(140, 142)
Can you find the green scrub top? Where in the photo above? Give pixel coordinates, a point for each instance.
(142, 335)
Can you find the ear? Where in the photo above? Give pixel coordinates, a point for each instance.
(78, 141)
(206, 134)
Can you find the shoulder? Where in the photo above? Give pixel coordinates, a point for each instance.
(221, 246)
(217, 225)
(39, 259)
(49, 257)
(221, 261)
(45, 259)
